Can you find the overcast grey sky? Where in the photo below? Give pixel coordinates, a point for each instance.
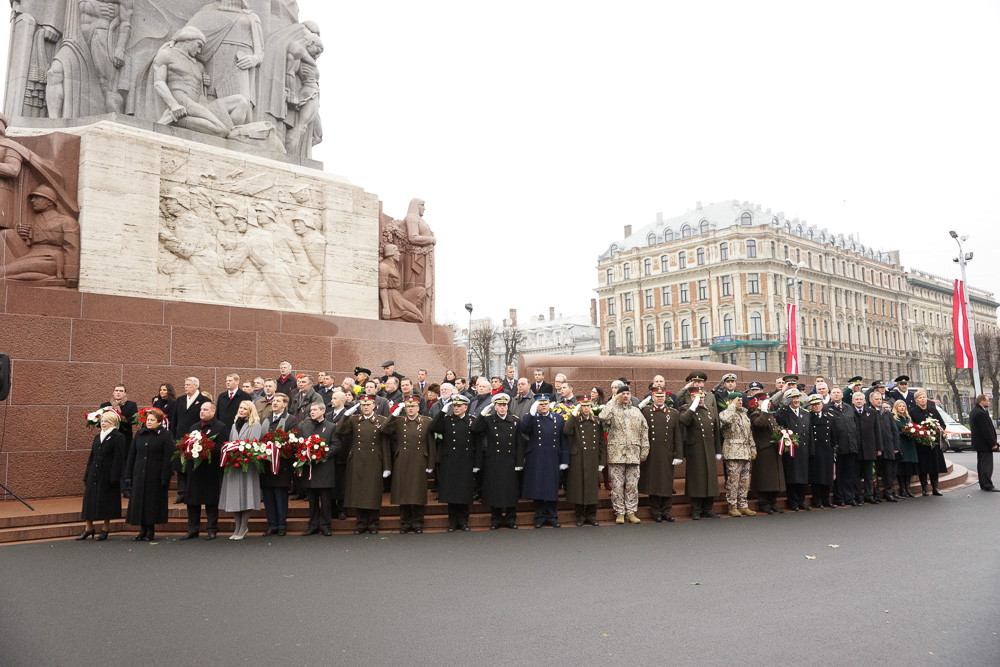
(536, 130)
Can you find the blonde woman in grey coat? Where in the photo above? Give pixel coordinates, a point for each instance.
(241, 490)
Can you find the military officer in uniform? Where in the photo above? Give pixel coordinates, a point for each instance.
(456, 459)
(902, 392)
(767, 475)
(587, 457)
(666, 450)
(796, 459)
(368, 463)
(853, 385)
(412, 460)
(500, 453)
(546, 453)
(699, 416)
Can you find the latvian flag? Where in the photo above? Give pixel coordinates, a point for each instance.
(960, 320)
(792, 358)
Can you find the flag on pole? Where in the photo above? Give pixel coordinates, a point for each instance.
(960, 322)
(792, 358)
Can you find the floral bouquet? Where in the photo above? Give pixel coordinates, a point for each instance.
(785, 438)
(925, 433)
(94, 418)
(239, 455)
(311, 450)
(194, 446)
(561, 409)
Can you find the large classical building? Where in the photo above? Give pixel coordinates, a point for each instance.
(713, 284)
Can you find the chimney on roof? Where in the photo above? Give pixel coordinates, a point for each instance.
(552, 313)
(593, 312)
(513, 317)
(659, 218)
(628, 231)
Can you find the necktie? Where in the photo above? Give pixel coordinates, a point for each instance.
(231, 395)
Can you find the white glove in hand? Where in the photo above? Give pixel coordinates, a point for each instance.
(576, 411)
(718, 457)
(475, 470)
(600, 468)
(677, 462)
(645, 401)
(397, 410)
(429, 470)
(386, 474)
(765, 404)
(350, 411)
(533, 409)
(563, 466)
(695, 403)
(518, 469)
(487, 410)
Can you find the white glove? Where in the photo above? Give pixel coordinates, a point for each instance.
(718, 457)
(677, 462)
(386, 474)
(576, 411)
(533, 409)
(350, 411)
(695, 403)
(475, 470)
(396, 410)
(487, 410)
(600, 468)
(563, 466)
(765, 404)
(429, 470)
(518, 469)
(645, 401)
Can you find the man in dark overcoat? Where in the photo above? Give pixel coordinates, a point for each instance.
(368, 463)
(319, 480)
(666, 451)
(588, 455)
(185, 414)
(767, 472)
(546, 453)
(274, 486)
(845, 433)
(984, 441)
(822, 453)
(796, 458)
(699, 415)
(205, 481)
(127, 409)
(337, 410)
(456, 458)
(413, 453)
(869, 447)
(499, 453)
(228, 403)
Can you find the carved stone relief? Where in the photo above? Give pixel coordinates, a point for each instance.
(406, 270)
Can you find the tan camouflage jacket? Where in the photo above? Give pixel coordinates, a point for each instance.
(737, 437)
(628, 434)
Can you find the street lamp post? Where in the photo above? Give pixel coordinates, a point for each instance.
(963, 259)
(468, 341)
(788, 325)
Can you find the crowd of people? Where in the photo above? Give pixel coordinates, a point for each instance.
(502, 439)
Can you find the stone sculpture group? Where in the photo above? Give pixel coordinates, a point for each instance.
(244, 70)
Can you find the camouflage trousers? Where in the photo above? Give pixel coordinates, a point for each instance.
(624, 487)
(737, 483)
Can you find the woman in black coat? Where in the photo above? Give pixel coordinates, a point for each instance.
(165, 399)
(102, 499)
(930, 460)
(147, 475)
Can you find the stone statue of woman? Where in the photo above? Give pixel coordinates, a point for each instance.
(417, 266)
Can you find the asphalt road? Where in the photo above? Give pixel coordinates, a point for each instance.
(909, 584)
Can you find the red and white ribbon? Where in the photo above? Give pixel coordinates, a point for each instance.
(785, 438)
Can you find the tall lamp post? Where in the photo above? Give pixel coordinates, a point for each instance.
(788, 325)
(468, 341)
(963, 259)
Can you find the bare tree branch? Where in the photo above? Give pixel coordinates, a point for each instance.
(481, 340)
(512, 339)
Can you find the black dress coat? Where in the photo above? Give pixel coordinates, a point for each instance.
(546, 448)
(129, 411)
(984, 436)
(164, 405)
(890, 436)
(869, 432)
(283, 479)
(456, 458)
(184, 418)
(796, 467)
(102, 493)
(767, 470)
(287, 386)
(148, 471)
(323, 474)
(917, 415)
(587, 451)
(500, 450)
(845, 428)
(204, 484)
(823, 439)
(545, 388)
(226, 408)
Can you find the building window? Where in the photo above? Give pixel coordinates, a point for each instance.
(626, 270)
(702, 290)
(651, 239)
(723, 251)
(612, 344)
(684, 293)
(665, 296)
(786, 252)
(629, 341)
(650, 338)
(727, 325)
(628, 302)
(611, 305)
(668, 235)
(649, 298)
(762, 362)
(773, 250)
(703, 227)
(798, 255)
(610, 278)
(701, 256)
(752, 249)
(682, 260)
(685, 333)
(753, 361)
(746, 219)
(756, 326)
(664, 263)
(777, 285)
(703, 330)
(668, 335)
(809, 259)
(811, 294)
(822, 294)
(647, 267)
(753, 283)
(686, 231)
(727, 286)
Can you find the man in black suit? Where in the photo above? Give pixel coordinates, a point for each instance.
(420, 386)
(509, 382)
(324, 386)
(286, 383)
(274, 487)
(869, 446)
(229, 401)
(128, 410)
(984, 441)
(306, 396)
(205, 482)
(185, 415)
(540, 386)
(339, 410)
